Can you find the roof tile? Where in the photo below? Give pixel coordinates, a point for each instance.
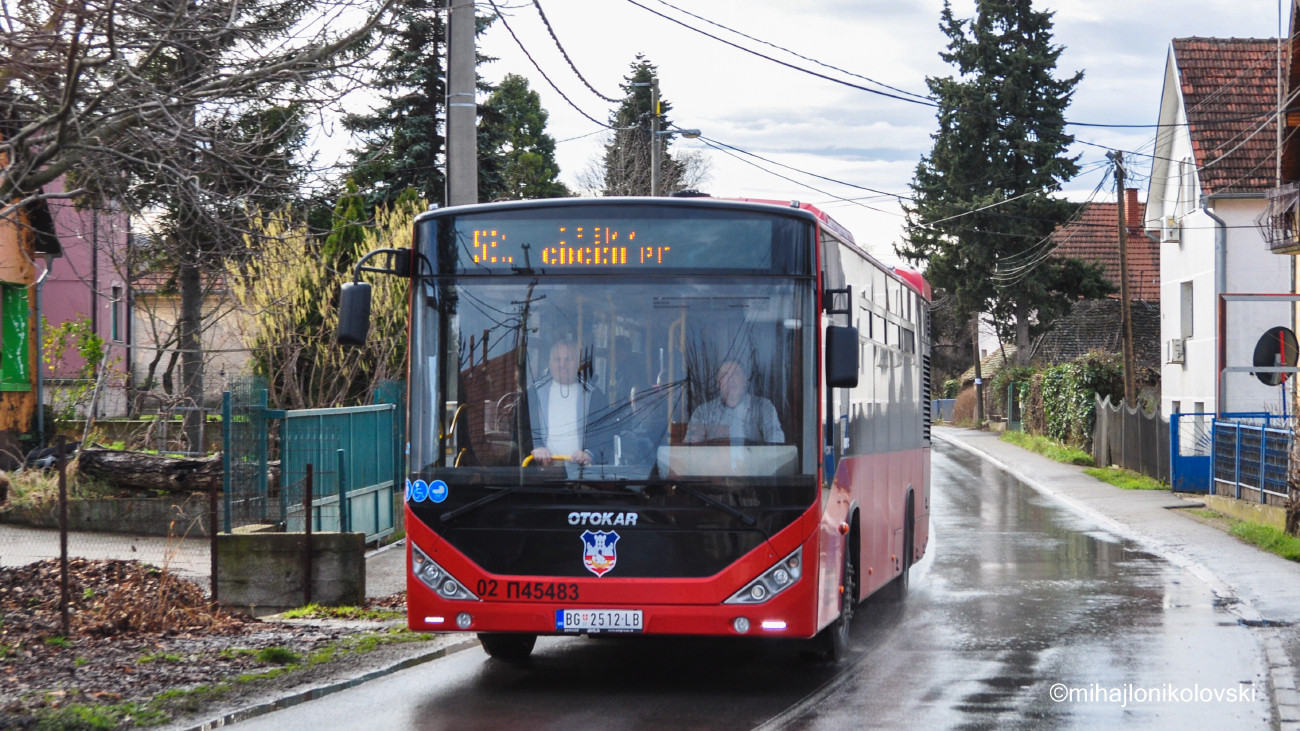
(1229, 89)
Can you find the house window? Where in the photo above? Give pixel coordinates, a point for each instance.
(15, 357)
(116, 318)
(1176, 407)
(1185, 318)
(1187, 183)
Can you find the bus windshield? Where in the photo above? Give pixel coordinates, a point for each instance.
(599, 377)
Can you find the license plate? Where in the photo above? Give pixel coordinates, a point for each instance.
(598, 620)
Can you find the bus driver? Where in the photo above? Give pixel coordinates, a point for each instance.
(562, 407)
(736, 414)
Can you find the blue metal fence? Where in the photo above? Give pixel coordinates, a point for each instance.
(1208, 450)
(1254, 457)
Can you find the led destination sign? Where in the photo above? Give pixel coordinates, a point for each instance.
(553, 240)
(603, 250)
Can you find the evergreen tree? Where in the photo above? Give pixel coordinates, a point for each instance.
(403, 141)
(1001, 140)
(513, 135)
(627, 155)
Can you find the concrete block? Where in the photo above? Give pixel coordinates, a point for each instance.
(1252, 512)
(179, 515)
(263, 572)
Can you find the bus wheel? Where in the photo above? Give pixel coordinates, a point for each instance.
(896, 590)
(507, 647)
(832, 643)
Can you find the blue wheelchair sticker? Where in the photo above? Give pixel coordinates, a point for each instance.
(419, 491)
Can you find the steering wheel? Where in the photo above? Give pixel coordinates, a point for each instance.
(555, 457)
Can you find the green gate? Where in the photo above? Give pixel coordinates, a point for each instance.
(354, 452)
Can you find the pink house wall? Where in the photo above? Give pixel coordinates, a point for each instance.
(83, 281)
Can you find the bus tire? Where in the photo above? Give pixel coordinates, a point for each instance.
(507, 647)
(896, 590)
(832, 643)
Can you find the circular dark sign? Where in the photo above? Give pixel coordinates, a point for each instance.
(1276, 348)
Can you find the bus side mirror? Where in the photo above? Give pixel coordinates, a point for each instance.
(841, 357)
(354, 314)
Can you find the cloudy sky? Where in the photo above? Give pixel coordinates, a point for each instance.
(822, 127)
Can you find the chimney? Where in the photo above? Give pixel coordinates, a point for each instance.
(1133, 210)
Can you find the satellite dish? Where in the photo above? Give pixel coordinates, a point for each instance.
(1276, 348)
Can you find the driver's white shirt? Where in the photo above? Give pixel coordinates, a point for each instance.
(563, 422)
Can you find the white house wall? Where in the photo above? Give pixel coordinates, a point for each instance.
(1251, 268)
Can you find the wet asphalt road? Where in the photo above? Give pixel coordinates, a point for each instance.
(1016, 595)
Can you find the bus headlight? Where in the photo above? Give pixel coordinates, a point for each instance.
(783, 575)
(436, 577)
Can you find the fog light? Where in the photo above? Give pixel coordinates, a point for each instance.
(463, 620)
(773, 624)
(758, 592)
(741, 625)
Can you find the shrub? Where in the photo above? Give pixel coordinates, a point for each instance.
(963, 412)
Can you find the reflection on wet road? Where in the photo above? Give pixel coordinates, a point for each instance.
(1018, 595)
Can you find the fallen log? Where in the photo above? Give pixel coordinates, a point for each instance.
(150, 471)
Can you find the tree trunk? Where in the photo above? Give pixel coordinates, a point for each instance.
(191, 345)
(1023, 345)
(150, 471)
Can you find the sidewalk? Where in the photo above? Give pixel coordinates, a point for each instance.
(1252, 583)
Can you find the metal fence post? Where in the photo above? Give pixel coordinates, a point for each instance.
(212, 535)
(63, 534)
(306, 504)
(345, 518)
(227, 462)
(1263, 454)
(1236, 478)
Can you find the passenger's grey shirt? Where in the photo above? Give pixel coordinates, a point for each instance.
(753, 418)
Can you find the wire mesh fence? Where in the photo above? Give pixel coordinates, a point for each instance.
(65, 522)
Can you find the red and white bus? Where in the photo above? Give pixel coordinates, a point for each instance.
(678, 416)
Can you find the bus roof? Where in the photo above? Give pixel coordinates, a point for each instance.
(910, 277)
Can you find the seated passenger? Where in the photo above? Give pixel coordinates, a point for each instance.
(736, 415)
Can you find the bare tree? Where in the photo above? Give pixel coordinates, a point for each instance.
(192, 108)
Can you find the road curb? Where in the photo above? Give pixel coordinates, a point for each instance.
(311, 694)
(1282, 677)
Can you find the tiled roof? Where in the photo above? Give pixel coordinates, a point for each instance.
(1094, 237)
(1095, 325)
(1229, 89)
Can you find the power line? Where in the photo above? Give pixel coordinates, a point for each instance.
(564, 53)
(543, 73)
(925, 97)
(909, 97)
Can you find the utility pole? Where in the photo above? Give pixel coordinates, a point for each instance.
(654, 138)
(462, 136)
(979, 377)
(1126, 328)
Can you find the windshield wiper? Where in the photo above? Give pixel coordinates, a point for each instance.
(746, 519)
(451, 515)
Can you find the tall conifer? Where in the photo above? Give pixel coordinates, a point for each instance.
(983, 204)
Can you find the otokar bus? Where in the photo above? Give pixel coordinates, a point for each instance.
(671, 416)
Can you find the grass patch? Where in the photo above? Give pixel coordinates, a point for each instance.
(1126, 479)
(58, 642)
(159, 657)
(1268, 538)
(277, 656)
(80, 662)
(84, 717)
(316, 611)
(1048, 448)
